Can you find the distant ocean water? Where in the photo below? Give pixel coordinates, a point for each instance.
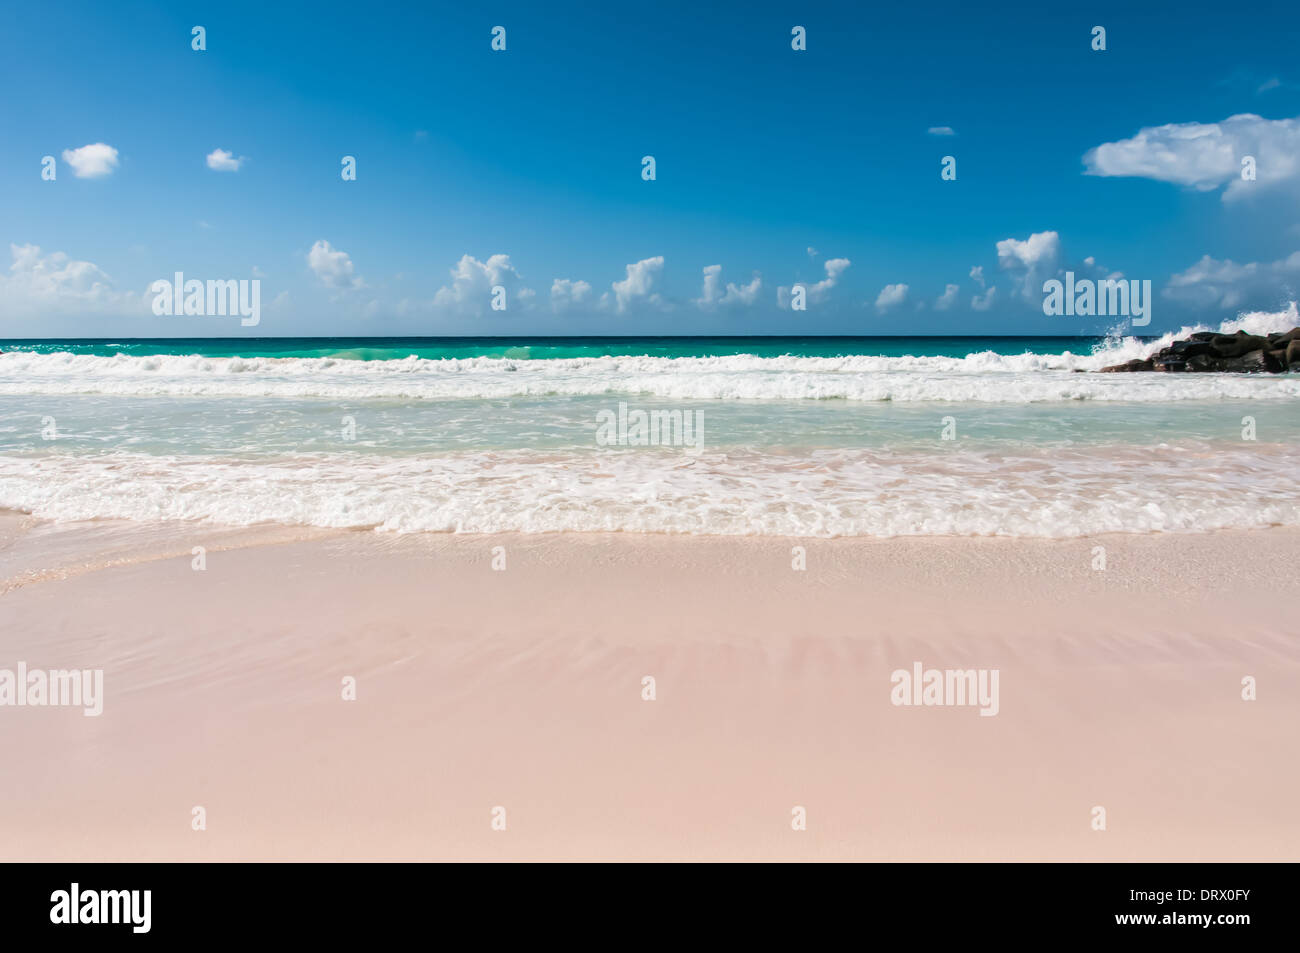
(523, 349)
(812, 436)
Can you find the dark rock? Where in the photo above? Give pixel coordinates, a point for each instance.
(1133, 365)
(1251, 363)
(1235, 345)
(1239, 353)
(1190, 348)
(1293, 354)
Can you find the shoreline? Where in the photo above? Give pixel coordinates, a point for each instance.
(84, 547)
(521, 688)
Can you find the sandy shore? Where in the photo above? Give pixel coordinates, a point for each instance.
(522, 688)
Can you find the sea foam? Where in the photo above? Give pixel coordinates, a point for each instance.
(822, 493)
(984, 376)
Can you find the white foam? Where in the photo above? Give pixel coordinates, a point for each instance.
(1064, 490)
(1118, 349)
(978, 377)
(848, 492)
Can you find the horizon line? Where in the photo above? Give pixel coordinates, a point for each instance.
(543, 337)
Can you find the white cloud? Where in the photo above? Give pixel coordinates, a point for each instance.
(637, 286)
(985, 301)
(812, 252)
(219, 160)
(1206, 156)
(55, 275)
(41, 286)
(91, 162)
(1030, 261)
(941, 131)
(713, 295)
(891, 296)
(567, 294)
(470, 291)
(1214, 283)
(333, 267)
(1027, 263)
(835, 267)
(1040, 249)
(1268, 84)
(947, 299)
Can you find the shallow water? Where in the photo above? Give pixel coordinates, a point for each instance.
(817, 437)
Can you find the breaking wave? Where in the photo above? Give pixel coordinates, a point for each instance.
(984, 376)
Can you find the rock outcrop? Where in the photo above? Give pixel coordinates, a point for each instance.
(1239, 353)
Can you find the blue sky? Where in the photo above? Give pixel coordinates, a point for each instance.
(770, 163)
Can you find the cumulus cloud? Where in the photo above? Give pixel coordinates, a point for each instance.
(941, 131)
(91, 162)
(1027, 263)
(54, 275)
(470, 291)
(891, 296)
(567, 294)
(1040, 249)
(1205, 156)
(714, 295)
(219, 160)
(835, 267)
(1030, 262)
(333, 267)
(638, 286)
(985, 301)
(39, 286)
(947, 299)
(1214, 283)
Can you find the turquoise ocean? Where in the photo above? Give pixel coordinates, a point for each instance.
(812, 436)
